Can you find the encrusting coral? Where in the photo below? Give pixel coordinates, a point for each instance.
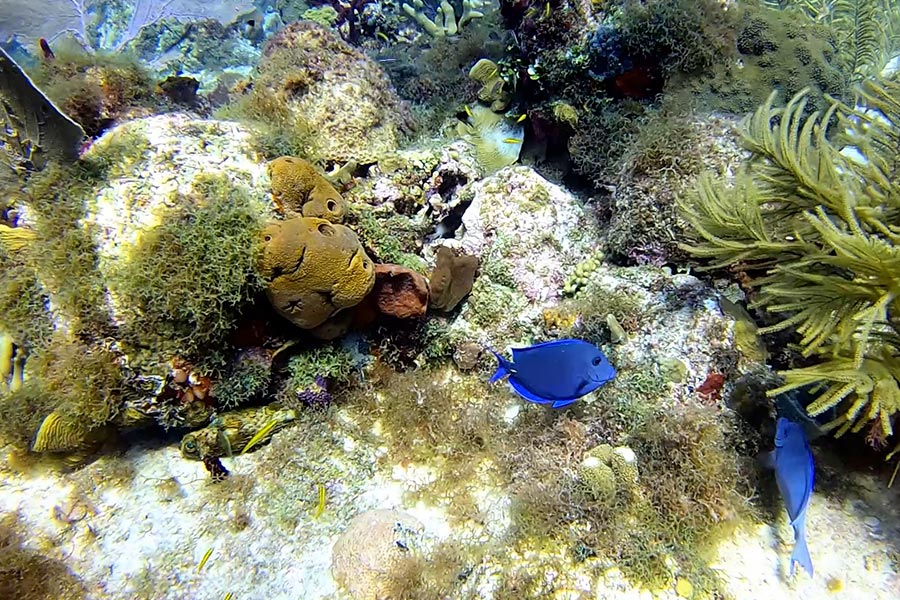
(816, 215)
(313, 269)
(607, 473)
(300, 189)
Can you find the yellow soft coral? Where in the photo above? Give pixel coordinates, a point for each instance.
(314, 269)
(299, 188)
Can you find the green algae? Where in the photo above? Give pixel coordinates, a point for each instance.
(181, 287)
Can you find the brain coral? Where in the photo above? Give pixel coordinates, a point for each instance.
(298, 188)
(343, 95)
(313, 269)
(374, 552)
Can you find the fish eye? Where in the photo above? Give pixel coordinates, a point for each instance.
(597, 360)
(189, 445)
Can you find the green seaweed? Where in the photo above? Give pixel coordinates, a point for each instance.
(64, 254)
(392, 238)
(333, 361)
(817, 223)
(246, 380)
(182, 286)
(276, 131)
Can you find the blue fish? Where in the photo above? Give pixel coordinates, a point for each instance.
(556, 373)
(794, 473)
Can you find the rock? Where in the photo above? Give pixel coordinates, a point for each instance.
(400, 292)
(374, 552)
(467, 355)
(313, 269)
(535, 228)
(342, 95)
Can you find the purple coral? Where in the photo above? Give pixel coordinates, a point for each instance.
(316, 395)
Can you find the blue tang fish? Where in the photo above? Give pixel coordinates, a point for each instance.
(794, 472)
(556, 373)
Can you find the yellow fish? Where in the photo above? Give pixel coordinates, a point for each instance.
(320, 507)
(512, 141)
(521, 118)
(204, 559)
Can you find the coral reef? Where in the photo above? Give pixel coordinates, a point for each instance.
(298, 188)
(313, 269)
(445, 22)
(159, 235)
(342, 96)
(811, 215)
(374, 551)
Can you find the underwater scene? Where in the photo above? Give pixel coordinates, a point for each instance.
(449, 299)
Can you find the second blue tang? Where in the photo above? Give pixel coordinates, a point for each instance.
(795, 473)
(556, 373)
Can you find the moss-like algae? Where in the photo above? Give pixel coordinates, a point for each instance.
(690, 488)
(276, 131)
(181, 287)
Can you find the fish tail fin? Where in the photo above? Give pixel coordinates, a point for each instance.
(800, 556)
(504, 367)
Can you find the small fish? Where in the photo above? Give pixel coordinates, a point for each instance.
(228, 596)
(320, 507)
(556, 373)
(468, 110)
(521, 118)
(547, 10)
(794, 473)
(45, 49)
(530, 12)
(381, 35)
(511, 140)
(204, 559)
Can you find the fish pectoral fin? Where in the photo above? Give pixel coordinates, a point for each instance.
(562, 403)
(530, 396)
